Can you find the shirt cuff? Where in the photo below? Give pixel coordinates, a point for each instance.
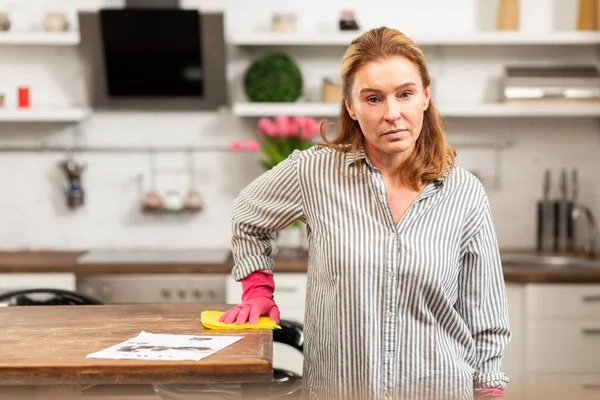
(248, 265)
(488, 380)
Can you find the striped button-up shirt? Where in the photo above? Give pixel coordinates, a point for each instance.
(414, 310)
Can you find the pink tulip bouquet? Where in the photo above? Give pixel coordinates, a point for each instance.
(280, 136)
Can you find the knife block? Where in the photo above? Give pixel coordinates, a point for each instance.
(555, 227)
(545, 226)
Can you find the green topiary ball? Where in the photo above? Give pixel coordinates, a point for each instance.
(273, 78)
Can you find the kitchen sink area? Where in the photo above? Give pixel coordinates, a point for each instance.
(550, 261)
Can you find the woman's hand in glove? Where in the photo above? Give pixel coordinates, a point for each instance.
(257, 300)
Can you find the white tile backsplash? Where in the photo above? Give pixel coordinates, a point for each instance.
(33, 213)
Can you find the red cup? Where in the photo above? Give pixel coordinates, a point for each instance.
(23, 97)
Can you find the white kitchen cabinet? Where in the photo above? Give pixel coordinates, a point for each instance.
(563, 387)
(10, 282)
(555, 348)
(563, 346)
(563, 301)
(562, 341)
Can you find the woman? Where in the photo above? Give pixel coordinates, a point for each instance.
(405, 296)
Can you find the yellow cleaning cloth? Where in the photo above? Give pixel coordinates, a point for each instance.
(210, 320)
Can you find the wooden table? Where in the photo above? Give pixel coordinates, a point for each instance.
(43, 349)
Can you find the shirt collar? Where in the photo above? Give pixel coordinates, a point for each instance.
(432, 187)
(360, 154)
(357, 155)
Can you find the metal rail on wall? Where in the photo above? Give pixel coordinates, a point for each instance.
(46, 148)
(496, 146)
(112, 149)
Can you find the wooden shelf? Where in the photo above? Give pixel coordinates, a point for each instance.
(39, 38)
(451, 111)
(46, 114)
(468, 39)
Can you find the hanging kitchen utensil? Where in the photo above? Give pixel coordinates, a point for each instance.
(152, 200)
(173, 201)
(74, 190)
(4, 22)
(193, 200)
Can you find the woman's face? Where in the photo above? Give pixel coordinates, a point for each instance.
(388, 101)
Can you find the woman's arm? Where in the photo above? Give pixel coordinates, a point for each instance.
(268, 204)
(482, 300)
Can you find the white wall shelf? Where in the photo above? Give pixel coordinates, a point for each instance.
(289, 109)
(467, 39)
(48, 114)
(39, 38)
(457, 111)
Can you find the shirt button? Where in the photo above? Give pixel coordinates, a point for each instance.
(388, 354)
(391, 274)
(390, 314)
(387, 394)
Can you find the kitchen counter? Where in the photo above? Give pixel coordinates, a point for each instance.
(67, 262)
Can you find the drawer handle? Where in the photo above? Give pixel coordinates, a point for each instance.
(591, 386)
(286, 289)
(591, 331)
(589, 298)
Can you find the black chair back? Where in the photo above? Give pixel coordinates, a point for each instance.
(45, 297)
(291, 333)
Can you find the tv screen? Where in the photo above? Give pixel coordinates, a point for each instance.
(152, 52)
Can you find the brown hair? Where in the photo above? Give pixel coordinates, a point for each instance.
(433, 156)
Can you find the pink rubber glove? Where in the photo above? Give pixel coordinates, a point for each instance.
(489, 394)
(257, 300)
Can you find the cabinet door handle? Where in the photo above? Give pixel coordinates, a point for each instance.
(591, 386)
(590, 298)
(286, 289)
(591, 331)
